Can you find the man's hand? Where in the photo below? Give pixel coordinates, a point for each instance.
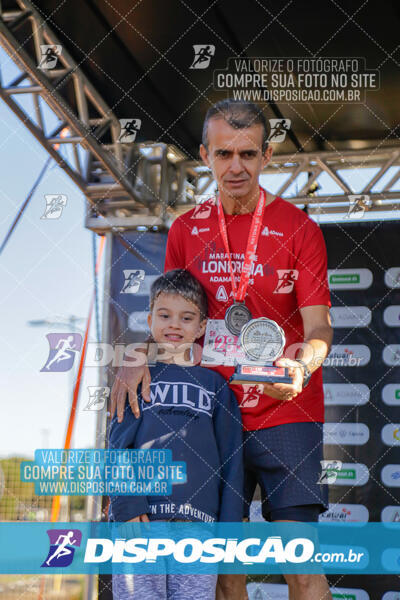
(286, 391)
(127, 381)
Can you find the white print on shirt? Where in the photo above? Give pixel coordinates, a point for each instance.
(165, 393)
(287, 277)
(187, 510)
(222, 266)
(221, 294)
(267, 232)
(196, 230)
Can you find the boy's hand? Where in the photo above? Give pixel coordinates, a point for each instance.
(140, 519)
(127, 381)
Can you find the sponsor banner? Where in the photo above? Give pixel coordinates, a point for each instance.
(346, 394)
(345, 513)
(391, 316)
(390, 475)
(391, 514)
(391, 596)
(348, 594)
(277, 591)
(391, 394)
(348, 355)
(352, 474)
(392, 277)
(349, 279)
(391, 355)
(343, 434)
(350, 316)
(391, 434)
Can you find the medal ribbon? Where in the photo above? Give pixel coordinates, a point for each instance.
(239, 293)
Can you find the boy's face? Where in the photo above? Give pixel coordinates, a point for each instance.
(175, 320)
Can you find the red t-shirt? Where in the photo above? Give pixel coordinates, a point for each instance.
(290, 272)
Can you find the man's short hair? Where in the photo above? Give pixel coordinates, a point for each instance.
(182, 283)
(239, 115)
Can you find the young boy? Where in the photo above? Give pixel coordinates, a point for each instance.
(193, 413)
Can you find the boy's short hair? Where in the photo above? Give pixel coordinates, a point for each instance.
(182, 283)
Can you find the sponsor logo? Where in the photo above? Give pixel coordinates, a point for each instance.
(391, 394)
(54, 206)
(266, 232)
(132, 280)
(63, 347)
(346, 394)
(203, 209)
(390, 475)
(285, 284)
(350, 474)
(63, 543)
(98, 396)
(348, 594)
(345, 513)
(349, 279)
(392, 277)
(329, 471)
(196, 230)
(391, 434)
(391, 316)
(128, 130)
(350, 316)
(221, 294)
(356, 355)
(345, 434)
(391, 355)
(203, 54)
(391, 514)
(279, 129)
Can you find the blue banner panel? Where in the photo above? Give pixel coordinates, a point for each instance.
(161, 547)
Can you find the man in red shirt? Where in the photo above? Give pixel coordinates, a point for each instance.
(284, 279)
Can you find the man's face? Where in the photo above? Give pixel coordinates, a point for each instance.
(235, 156)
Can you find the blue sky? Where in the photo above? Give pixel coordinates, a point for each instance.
(46, 271)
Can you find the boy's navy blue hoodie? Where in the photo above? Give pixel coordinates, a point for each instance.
(194, 414)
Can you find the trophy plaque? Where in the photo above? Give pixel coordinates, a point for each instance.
(262, 342)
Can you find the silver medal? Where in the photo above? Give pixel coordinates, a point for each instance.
(236, 317)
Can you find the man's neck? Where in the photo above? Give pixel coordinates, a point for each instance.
(242, 205)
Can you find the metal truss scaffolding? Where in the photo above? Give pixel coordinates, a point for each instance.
(128, 185)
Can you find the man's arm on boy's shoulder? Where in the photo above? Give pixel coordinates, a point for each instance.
(122, 436)
(229, 435)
